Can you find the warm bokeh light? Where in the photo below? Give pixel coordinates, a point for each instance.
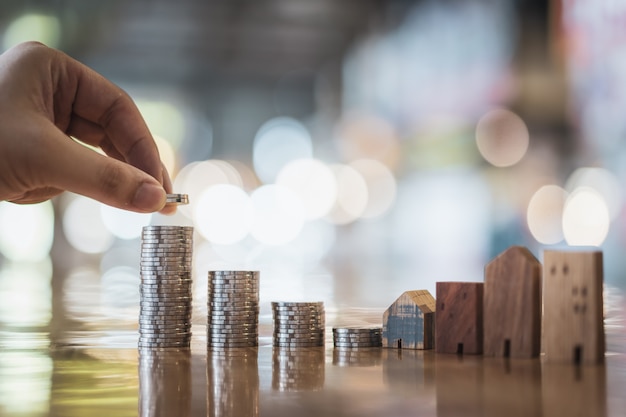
(279, 215)
(502, 137)
(26, 231)
(352, 195)
(381, 186)
(249, 179)
(223, 214)
(313, 182)
(601, 180)
(585, 218)
(33, 27)
(167, 153)
(84, 228)
(278, 142)
(545, 214)
(26, 293)
(196, 177)
(361, 135)
(25, 382)
(163, 119)
(124, 224)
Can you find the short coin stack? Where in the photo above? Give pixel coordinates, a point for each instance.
(233, 309)
(166, 286)
(354, 337)
(298, 324)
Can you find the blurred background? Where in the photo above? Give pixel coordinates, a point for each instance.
(349, 150)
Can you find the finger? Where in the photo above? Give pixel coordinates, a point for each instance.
(37, 196)
(99, 101)
(93, 134)
(75, 168)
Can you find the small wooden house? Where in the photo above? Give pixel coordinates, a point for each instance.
(573, 320)
(512, 305)
(409, 323)
(459, 322)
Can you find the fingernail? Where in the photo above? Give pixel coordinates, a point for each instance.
(149, 197)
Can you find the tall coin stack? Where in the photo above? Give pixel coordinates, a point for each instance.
(298, 324)
(357, 337)
(233, 309)
(166, 286)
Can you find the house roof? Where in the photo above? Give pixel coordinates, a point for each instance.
(422, 298)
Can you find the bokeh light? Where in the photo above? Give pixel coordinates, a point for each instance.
(223, 214)
(196, 177)
(278, 142)
(313, 182)
(167, 153)
(84, 228)
(26, 293)
(26, 231)
(124, 224)
(545, 214)
(502, 137)
(585, 218)
(381, 186)
(33, 27)
(82, 295)
(352, 195)
(361, 135)
(601, 180)
(279, 215)
(164, 119)
(120, 291)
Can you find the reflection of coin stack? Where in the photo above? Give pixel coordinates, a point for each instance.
(233, 309)
(298, 369)
(165, 290)
(233, 383)
(357, 357)
(164, 383)
(354, 337)
(298, 324)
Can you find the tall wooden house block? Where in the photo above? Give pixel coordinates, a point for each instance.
(573, 323)
(409, 323)
(459, 320)
(512, 305)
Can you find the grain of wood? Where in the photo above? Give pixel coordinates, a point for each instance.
(512, 305)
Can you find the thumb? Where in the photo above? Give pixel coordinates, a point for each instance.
(76, 168)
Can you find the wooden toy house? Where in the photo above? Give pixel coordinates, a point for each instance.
(459, 321)
(409, 323)
(573, 320)
(512, 305)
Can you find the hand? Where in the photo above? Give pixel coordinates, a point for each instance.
(46, 97)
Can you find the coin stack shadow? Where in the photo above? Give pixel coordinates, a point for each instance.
(354, 337)
(166, 287)
(233, 309)
(298, 324)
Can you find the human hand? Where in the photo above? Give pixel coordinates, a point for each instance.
(46, 97)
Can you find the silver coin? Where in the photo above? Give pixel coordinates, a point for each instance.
(294, 337)
(167, 278)
(165, 323)
(297, 303)
(156, 239)
(165, 292)
(233, 272)
(164, 318)
(297, 344)
(165, 288)
(170, 246)
(166, 227)
(357, 345)
(165, 257)
(165, 306)
(164, 345)
(177, 199)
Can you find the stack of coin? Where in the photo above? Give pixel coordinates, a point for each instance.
(233, 309)
(166, 286)
(354, 337)
(298, 324)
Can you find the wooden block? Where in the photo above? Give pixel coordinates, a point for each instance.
(409, 322)
(459, 320)
(512, 305)
(573, 321)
